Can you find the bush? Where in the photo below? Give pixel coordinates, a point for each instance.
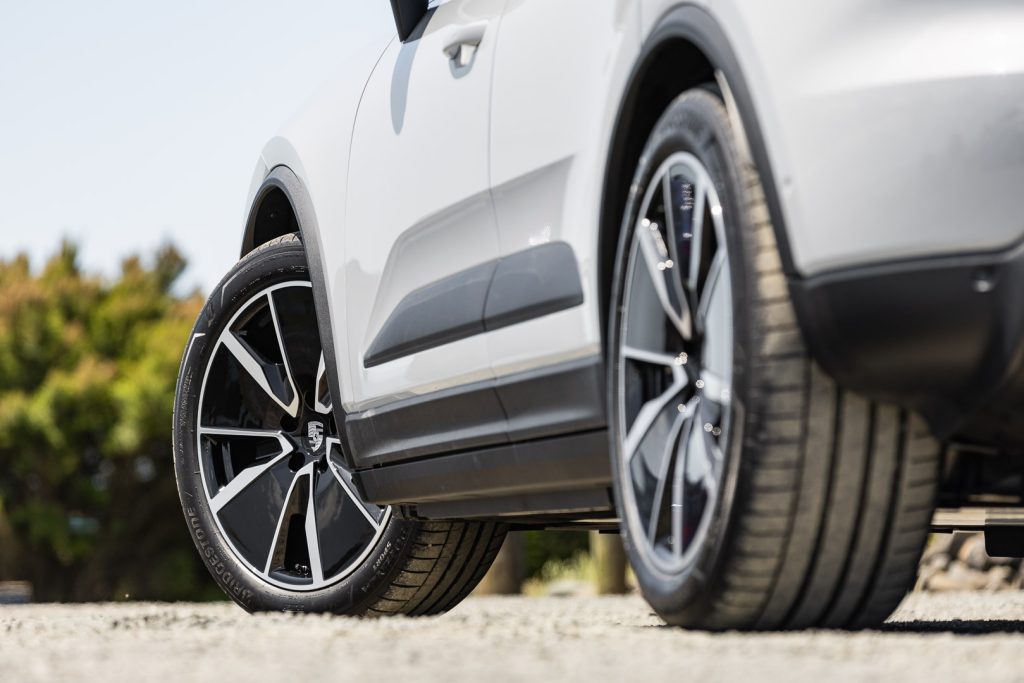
(88, 506)
(543, 547)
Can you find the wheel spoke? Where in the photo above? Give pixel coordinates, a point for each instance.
(713, 414)
(278, 541)
(345, 480)
(284, 354)
(677, 531)
(714, 461)
(711, 294)
(672, 228)
(246, 477)
(649, 412)
(714, 387)
(704, 457)
(716, 321)
(681, 425)
(322, 393)
(312, 539)
(653, 357)
(659, 265)
(700, 194)
(256, 369)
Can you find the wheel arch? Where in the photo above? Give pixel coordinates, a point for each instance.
(273, 212)
(282, 205)
(687, 48)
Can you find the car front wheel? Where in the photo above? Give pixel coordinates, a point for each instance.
(267, 493)
(753, 492)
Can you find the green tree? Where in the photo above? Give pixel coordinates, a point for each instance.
(88, 507)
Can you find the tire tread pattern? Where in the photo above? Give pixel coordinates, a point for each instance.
(445, 561)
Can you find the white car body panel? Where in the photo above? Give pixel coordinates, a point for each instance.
(547, 169)
(886, 126)
(652, 11)
(315, 146)
(423, 203)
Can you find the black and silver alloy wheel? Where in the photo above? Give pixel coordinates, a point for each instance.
(675, 375)
(270, 454)
(271, 506)
(753, 492)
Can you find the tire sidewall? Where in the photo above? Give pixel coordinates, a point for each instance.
(696, 123)
(274, 263)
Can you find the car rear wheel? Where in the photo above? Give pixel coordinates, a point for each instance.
(268, 495)
(754, 493)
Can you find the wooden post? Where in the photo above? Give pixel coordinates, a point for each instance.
(506, 574)
(609, 563)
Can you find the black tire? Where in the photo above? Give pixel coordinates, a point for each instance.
(825, 497)
(414, 568)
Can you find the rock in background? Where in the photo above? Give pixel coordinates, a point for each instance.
(958, 562)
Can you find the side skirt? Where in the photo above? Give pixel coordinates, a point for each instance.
(565, 398)
(554, 476)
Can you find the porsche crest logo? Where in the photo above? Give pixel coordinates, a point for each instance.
(315, 433)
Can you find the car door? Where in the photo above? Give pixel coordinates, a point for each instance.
(559, 74)
(420, 226)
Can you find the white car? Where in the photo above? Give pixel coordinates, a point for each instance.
(722, 274)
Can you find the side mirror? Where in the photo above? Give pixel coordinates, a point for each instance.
(407, 16)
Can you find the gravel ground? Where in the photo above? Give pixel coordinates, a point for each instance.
(956, 637)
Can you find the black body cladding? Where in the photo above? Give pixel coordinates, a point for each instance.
(577, 462)
(489, 296)
(563, 399)
(944, 336)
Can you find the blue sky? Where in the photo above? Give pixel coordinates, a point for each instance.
(125, 124)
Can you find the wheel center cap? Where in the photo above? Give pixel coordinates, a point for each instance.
(315, 435)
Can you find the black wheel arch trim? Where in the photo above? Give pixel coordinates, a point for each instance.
(283, 180)
(695, 25)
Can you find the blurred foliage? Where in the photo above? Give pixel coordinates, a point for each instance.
(555, 547)
(578, 570)
(88, 506)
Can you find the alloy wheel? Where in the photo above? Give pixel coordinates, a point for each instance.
(674, 365)
(270, 451)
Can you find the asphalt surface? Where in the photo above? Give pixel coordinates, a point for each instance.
(947, 637)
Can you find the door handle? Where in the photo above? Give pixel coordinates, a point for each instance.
(460, 42)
